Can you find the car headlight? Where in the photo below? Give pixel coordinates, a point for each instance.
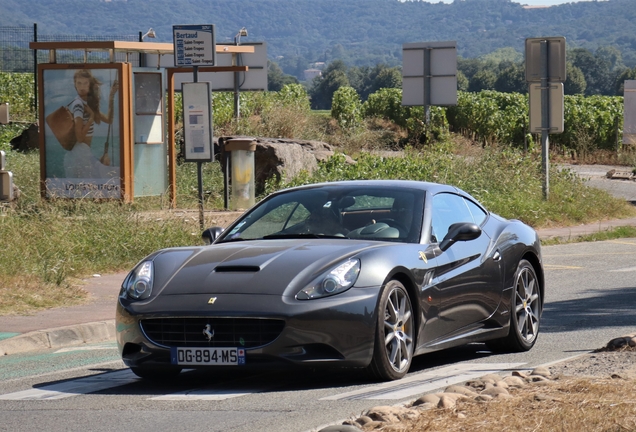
(138, 284)
(334, 282)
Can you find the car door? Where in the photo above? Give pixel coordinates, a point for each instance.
(468, 273)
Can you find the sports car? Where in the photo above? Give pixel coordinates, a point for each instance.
(357, 274)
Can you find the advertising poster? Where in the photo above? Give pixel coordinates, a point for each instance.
(82, 132)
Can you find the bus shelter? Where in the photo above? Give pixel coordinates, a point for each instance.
(107, 129)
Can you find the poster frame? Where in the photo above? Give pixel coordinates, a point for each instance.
(123, 120)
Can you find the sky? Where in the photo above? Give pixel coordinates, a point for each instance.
(527, 2)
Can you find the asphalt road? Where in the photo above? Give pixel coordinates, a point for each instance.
(591, 290)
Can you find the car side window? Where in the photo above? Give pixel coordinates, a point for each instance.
(448, 209)
(479, 216)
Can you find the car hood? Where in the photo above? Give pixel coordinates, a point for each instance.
(266, 267)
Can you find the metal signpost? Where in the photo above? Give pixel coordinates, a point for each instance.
(195, 45)
(545, 66)
(429, 75)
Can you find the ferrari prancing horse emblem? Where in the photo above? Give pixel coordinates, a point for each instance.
(208, 332)
(212, 300)
(423, 257)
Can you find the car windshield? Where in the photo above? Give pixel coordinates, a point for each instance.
(347, 212)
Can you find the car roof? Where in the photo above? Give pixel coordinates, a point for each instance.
(407, 184)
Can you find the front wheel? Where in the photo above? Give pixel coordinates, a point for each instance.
(525, 314)
(393, 349)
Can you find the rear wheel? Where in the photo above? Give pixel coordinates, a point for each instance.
(393, 349)
(155, 372)
(525, 311)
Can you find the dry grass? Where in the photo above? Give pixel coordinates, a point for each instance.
(591, 392)
(24, 295)
(568, 404)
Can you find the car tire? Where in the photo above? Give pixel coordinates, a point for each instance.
(155, 372)
(525, 312)
(394, 334)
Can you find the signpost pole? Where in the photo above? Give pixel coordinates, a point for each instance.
(195, 75)
(195, 45)
(427, 87)
(545, 119)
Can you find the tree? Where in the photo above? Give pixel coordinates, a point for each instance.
(595, 69)
(612, 56)
(276, 79)
(507, 54)
(574, 80)
(512, 79)
(462, 81)
(482, 80)
(388, 78)
(627, 74)
(323, 87)
(469, 67)
(294, 65)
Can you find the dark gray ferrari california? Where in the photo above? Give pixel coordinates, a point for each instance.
(361, 274)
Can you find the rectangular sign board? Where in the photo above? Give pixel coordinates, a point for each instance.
(629, 112)
(194, 45)
(197, 122)
(556, 59)
(556, 108)
(429, 67)
(255, 79)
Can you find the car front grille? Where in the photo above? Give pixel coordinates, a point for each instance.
(227, 332)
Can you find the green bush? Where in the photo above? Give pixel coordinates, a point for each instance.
(591, 123)
(386, 103)
(346, 108)
(490, 117)
(17, 90)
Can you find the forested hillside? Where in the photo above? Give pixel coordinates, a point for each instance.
(360, 32)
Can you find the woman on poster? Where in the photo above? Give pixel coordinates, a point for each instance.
(80, 162)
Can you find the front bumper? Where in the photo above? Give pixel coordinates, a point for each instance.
(337, 331)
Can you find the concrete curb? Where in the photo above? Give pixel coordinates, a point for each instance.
(60, 337)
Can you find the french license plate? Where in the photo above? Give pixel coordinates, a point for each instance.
(207, 356)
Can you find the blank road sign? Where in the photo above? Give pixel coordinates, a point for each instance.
(556, 59)
(556, 108)
(429, 67)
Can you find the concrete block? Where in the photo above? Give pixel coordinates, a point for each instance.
(97, 331)
(24, 343)
(6, 186)
(65, 336)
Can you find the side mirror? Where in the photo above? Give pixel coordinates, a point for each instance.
(211, 234)
(462, 231)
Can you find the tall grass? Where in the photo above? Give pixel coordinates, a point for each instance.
(506, 181)
(48, 244)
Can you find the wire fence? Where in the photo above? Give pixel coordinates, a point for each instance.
(15, 54)
(17, 57)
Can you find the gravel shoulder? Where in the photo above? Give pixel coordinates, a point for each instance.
(601, 364)
(596, 176)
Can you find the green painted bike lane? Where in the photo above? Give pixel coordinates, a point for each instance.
(56, 360)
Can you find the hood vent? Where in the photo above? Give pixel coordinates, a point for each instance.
(237, 269)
